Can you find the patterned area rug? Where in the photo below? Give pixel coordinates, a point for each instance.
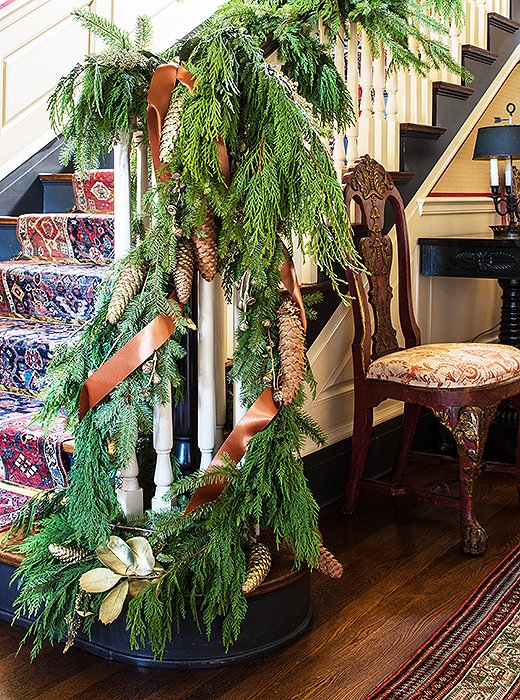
(476, 654)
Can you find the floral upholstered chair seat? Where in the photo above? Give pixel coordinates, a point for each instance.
(448, 365)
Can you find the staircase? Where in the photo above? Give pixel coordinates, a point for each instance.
(47, 293)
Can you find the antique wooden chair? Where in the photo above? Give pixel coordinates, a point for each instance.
(462, 383)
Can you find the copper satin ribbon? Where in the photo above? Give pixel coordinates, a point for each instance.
(152, 336)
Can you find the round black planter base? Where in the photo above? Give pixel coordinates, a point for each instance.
(278, 613)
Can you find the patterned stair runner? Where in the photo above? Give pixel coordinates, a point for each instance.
(43, 291)
(66, 237)
(46, 294)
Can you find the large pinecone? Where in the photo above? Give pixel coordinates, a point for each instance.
(258, 566)
(68, 554)
(127, 286)
(205, 243)
(170, 128)
(183, 273)
(328, 564)
(291, 346)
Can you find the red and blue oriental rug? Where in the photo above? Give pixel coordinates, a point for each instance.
(476, 654)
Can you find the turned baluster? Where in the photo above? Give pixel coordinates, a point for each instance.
(481, 24)
(163, 444)
(130, 495)
(207, 419)
(380, 134)
(414, 87)
(353, 85)
(239, 408)
(338, 154)
(392, 123)
(365, 139)
(220, 312)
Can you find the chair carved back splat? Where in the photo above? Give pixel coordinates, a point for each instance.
(371, 187)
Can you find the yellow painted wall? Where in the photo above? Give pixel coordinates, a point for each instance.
(465, 175)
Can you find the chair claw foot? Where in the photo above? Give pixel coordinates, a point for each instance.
(474, 539)
(347, 509)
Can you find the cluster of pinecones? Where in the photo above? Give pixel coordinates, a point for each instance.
(291, 347)
(198, 252)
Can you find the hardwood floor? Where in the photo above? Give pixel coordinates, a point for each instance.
(405, 574)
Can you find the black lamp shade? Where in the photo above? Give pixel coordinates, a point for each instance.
(497, 142)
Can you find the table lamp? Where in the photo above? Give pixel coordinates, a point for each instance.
(502, 143)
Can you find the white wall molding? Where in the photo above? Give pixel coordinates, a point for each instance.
(446, 206)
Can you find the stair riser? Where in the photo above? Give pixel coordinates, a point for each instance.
(48, 293)
(25, 352)
(84, 238)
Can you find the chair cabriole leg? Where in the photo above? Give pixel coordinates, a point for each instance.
(411, 415)
(363, 419)
(469, 426)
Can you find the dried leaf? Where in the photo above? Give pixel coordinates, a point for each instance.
(98, 580)
(144, 556)
(117, 556)
(137, 586)
(112, 604)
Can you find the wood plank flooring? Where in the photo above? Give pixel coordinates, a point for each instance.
(405, 574)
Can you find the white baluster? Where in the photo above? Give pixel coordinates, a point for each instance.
(392, 124)
(481, 31)
(130, 495)
(239, 408)
(352, 83)
(380, 134)
(122, 211)
(414, 92)
(142, 175)
(455, 49)
(403, 97)
(206, 372)
(365, 140)
(163, 445)
(220, 361)
(338, 154)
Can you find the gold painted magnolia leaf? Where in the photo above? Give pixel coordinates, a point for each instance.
(137, 585)
(144, 557)
(117, 556)
(98, 580)
(112, 604)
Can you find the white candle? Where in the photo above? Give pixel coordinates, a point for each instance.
(509, 172)
(493, 167)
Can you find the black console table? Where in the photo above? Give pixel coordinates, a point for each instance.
(480, 256)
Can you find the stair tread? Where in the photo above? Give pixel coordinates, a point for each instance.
(477, 53)
(498, 20)
(421, 130)
(452, 89)
(49, 292)
(25, 350)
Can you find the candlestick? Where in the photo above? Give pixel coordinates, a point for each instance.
(509, 172)
(493, 167)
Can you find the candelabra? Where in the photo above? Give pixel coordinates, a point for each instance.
(502, 143)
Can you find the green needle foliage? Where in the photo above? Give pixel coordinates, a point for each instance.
(283, 189)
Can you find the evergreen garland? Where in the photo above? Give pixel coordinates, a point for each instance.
(283, 187)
